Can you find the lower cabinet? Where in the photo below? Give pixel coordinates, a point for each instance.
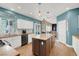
(76, 44)
(29, 38)
(35, 47)
(15, 41)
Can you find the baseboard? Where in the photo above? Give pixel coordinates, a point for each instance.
(65, 44)
(69, 45)
(30, 43)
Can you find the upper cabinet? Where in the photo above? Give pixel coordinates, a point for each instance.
(2, 26)
(46, 26)
(24, 24)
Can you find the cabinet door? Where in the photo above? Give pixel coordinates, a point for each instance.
(14, 41)
(48, 47)
(36, 46)
(77, 47)
(18, 41)
(74, 43)
(52, 41)
(29, 38)
(42, 48)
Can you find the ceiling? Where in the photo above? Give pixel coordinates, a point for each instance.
(40, 11)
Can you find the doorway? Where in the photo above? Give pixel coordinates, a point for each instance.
(62, 28)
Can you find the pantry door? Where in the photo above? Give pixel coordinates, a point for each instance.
(62, 31)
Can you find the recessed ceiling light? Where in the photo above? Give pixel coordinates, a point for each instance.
(19, 7)
(39, 3)
(30, 12)
(39, 14)
(67, 8)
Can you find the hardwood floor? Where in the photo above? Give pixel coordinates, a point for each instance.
(25, 50)
(59, 49)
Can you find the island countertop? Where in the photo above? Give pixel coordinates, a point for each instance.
(42, 44)
(42, 36)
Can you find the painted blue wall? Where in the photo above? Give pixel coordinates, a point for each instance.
(8, 14)
(72, 17)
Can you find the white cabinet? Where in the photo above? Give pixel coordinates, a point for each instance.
(24, 24)
(14, 41)
(77, 47)
(75, 43)
(29, 38)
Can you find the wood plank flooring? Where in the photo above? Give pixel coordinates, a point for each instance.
(59, 49)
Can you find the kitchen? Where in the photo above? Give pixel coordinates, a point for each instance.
(37, 30)
(17, 30)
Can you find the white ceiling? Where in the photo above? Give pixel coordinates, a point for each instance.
(47, 11)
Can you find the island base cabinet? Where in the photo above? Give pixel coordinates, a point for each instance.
(52, 41)
(45, 48)
(41, 47)
(35, 47)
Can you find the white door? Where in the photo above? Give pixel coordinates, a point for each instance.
(62, 31)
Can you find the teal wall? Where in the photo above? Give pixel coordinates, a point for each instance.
(72, 17)
(8, 14)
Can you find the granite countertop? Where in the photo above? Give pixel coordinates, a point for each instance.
(42, 36)
(12, 35)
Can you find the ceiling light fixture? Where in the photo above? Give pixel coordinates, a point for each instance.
(39, 13)
(39, 3)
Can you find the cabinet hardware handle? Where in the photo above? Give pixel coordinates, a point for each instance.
(42, 43)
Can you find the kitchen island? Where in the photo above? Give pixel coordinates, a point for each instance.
(42, 44)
